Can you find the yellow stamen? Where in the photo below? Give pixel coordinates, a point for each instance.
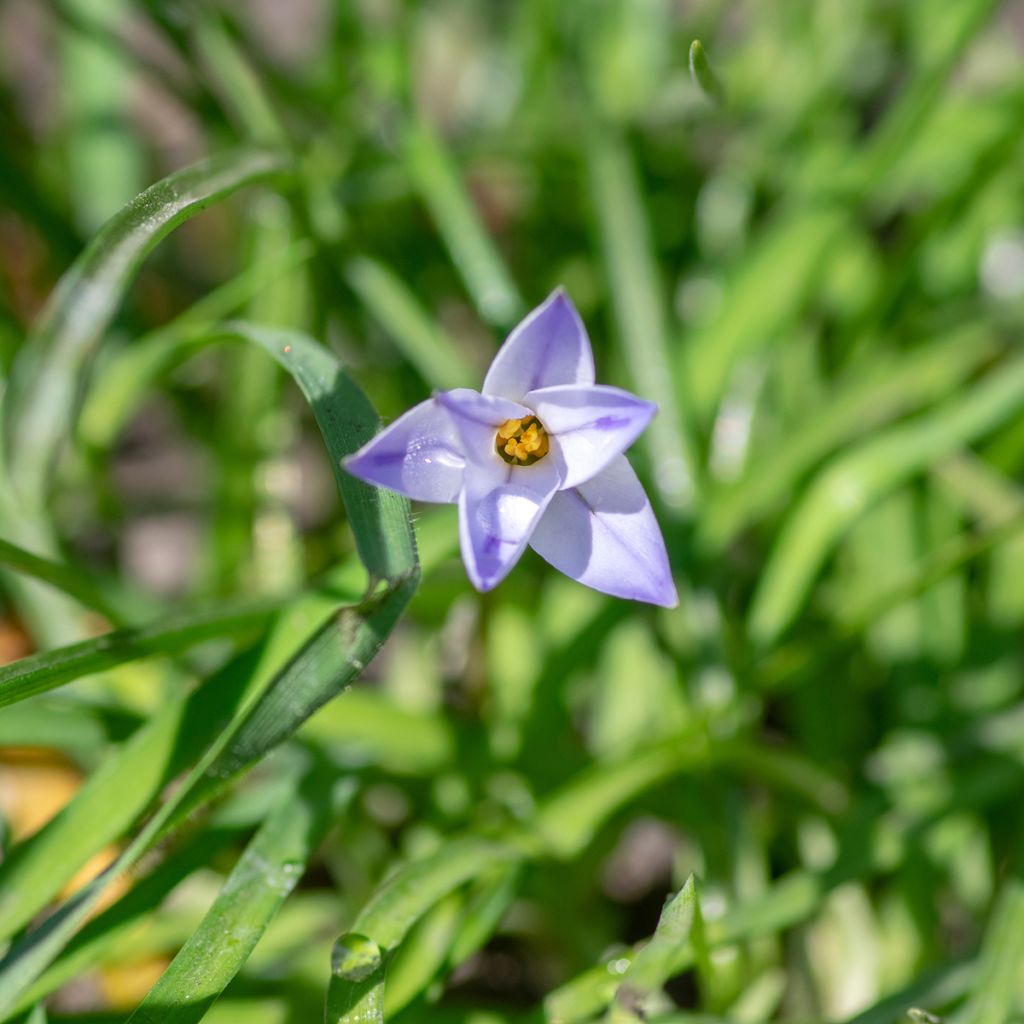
(522, 442)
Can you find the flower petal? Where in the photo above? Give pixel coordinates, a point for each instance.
(592, 424)
(419, 455)
(604, 534)
(495, 523)
(549, 347)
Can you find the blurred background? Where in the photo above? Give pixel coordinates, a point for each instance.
(815, 265)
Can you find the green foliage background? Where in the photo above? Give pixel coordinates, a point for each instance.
(796, 797)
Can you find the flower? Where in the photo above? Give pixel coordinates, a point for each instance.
(535, 458)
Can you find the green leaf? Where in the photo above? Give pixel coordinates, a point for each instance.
(337, 652)
(414, 331)
(178, 632)
(357, 975)
(379, 517)
(639, 307)
(47, 375)
(702, 74)
(266, 873)
(855, 480)
(656, 962)
(72, 582)
(996, 985)
(473, 252)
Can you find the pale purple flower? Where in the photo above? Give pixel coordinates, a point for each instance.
(536, 458)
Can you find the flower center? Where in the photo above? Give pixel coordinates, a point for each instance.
(522, 442)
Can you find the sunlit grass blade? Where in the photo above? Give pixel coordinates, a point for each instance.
(379, 518)
(118, 921)
(266, 873)
(639, 307)
(414, 331)
(115, 393)
(883, 390)
(41, 399)
(997, 984)
(437, 180)
(49, 669)
(655, 963)
(703, 74)
(855, 480)
(73, 582)
(386, 919)
(764, 294)
(567, 820)
(336, 653)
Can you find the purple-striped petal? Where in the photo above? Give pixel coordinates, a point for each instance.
(604, 534)
(419, 455)
(548, 348)
(495, 523)
(592, 424)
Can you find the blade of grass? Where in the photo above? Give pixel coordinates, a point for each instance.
(885, 389)
(655, 963)
(357, 975)
(337, 652)
(71, 581)
(264, 876)
(858, 478)
(115, 393)
(178, 632)
(414, 331)
(40, 399)
(474, 254)
(997, 981)
(640, 311)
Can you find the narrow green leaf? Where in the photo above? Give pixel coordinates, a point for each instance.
(857, 479)
(639, 307)
(655, 963)
(74, 583)
(379, 517)
(115, 394)
(47, 375)
(414, 331)
(260, 882)
(474, 253)
(325, 665)
(996, 985)
(357, 975)
(50, 669)
(702, 74)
